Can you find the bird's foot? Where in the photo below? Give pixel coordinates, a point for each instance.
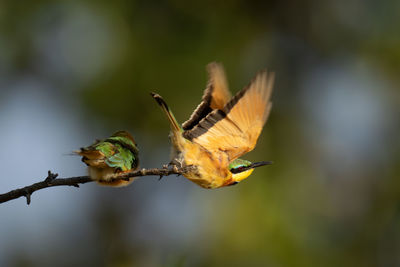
(176, 166)
(175, 163)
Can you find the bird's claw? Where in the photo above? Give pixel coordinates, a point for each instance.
(175, 163)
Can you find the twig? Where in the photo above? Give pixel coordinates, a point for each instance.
(52, 180)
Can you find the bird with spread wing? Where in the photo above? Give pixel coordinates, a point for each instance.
(220, 130)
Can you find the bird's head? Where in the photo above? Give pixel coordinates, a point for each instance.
(241, 169)
(124, 136)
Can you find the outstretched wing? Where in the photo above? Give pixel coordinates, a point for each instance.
(236, 128)
(215, 96)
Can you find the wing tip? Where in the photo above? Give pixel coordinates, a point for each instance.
(214, 65)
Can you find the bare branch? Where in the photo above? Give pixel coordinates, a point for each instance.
(52, 180)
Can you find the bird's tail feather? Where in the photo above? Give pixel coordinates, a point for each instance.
(173, 122)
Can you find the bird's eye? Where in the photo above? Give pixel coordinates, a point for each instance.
(237, 170)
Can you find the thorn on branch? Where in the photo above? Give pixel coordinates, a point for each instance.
(28, 196)
(50, 177)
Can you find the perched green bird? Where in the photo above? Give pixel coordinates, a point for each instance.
(116, 154)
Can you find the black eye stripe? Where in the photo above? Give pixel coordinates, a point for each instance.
(238, 169)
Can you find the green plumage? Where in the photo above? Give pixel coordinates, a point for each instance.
(239, 163)
(117, 156)
(118, 151)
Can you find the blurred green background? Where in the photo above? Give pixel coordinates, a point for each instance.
(74, 71)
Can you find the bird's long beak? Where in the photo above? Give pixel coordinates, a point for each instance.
(251, 166)
(259, 164)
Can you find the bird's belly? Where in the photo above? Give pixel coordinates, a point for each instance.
(103, 176)
(209, 170)
(205, 180)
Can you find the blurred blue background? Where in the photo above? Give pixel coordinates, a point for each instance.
(75, 71)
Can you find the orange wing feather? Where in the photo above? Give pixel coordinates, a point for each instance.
(220, 94)
(235, 129)
(215, 96)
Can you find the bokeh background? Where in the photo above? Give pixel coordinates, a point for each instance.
(75, 71)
